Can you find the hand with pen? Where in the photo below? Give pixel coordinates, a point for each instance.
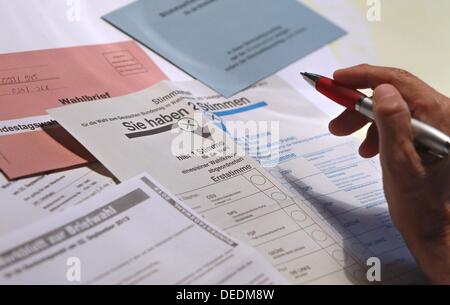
(417, 186)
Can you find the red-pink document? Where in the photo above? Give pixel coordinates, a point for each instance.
(32, 82)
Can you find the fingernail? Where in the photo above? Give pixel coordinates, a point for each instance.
(385, 91)
(387, 100)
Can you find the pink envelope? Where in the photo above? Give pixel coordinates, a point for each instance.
(32, 82)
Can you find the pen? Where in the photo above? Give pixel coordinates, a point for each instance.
(434, 140)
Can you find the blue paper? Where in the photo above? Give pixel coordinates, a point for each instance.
(227, 44)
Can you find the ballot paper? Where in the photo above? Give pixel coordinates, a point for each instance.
(29, 200)
(31, 82)
(135, 233)
(151, 130)
(321, 170)
(318, 216)
(227, 44)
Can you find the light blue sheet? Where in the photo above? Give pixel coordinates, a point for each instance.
(227, 44)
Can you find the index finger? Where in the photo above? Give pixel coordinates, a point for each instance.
(368, 76)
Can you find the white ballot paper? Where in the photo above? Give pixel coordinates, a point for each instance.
(289, 136)
(135, 233)
(161, 130)
(27, 200)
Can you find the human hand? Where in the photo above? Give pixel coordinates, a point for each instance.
(417, 187)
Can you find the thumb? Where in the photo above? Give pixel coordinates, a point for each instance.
(393, 119)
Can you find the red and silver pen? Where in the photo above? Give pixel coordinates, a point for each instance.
(437, 142)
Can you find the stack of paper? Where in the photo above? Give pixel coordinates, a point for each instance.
(139, 235)
(224, 181)
(32, 82)
(326, 214)
(32, 143)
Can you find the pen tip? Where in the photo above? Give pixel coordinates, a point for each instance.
(310, 78)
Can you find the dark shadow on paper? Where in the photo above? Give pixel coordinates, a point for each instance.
(65, 139)
(356, 247)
